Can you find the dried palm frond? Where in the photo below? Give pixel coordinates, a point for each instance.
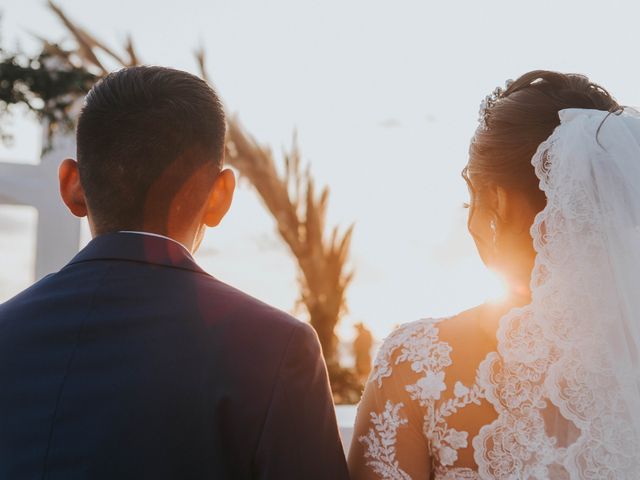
(300, 216)
(131, 51)
(88, 45)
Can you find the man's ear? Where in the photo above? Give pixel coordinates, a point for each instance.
(220, 198)
(71, 191)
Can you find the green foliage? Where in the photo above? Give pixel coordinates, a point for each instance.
(48, 84)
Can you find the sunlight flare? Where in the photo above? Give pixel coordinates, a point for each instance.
(495, 288)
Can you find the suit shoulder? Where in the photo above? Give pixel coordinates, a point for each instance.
(268, 335)
(27, 295)
(244, 307)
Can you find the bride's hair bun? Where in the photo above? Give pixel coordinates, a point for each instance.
(524, 115)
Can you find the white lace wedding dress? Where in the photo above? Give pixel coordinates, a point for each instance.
(548, 390)
(420, 411)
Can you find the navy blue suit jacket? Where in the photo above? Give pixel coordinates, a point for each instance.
(133, 363)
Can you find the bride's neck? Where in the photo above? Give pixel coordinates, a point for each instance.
(519, 295)
(494, 311)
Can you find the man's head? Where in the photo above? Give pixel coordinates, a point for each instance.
(150, 145)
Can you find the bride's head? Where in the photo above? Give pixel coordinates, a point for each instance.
(504, 193)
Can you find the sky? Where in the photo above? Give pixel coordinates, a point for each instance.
(384, 98)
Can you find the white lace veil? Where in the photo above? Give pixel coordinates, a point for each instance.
(565, 378)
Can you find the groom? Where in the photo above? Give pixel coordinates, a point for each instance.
(132, 362)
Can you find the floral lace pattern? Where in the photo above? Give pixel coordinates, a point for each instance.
(418, 345)
(456, 474)
(381, 441)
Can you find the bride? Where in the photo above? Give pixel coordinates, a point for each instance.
(545, 385)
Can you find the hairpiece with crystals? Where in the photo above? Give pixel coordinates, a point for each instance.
(489, 101)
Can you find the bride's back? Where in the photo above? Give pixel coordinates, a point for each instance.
(423, 403)
(471, 336)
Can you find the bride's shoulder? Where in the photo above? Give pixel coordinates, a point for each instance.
(410, 347)
(427, 344)
(463, 324)
(412, 331)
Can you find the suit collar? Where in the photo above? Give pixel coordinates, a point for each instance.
(150, 234)
(137, 248)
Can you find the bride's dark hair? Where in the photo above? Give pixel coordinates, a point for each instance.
(525, 115)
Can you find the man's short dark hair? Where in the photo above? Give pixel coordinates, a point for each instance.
(142, 134)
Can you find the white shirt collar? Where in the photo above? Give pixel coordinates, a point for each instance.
(159, 236)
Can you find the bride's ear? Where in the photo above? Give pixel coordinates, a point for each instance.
(220, 198)
(502, 207)
(513, 209)
(497, 201)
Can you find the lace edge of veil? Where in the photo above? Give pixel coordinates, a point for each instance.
(559, 410)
